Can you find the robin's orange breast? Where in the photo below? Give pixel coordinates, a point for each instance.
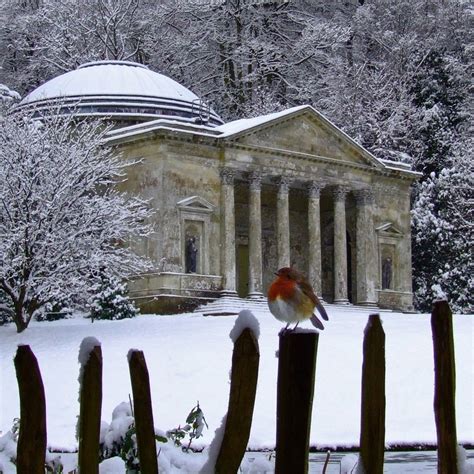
(282, 288)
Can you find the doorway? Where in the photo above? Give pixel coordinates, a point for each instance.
(242, 270)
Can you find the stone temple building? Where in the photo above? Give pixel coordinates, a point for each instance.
(236, 201)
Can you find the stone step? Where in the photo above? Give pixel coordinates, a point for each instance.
(232, 305)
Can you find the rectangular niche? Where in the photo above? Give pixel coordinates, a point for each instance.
(195, 221)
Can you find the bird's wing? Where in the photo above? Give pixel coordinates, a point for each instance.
(308, 291)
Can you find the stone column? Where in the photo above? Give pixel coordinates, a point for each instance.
(366, 250)
(340, 245)
(228, 232)
(255, 236)
(314, 233)
(283, 222)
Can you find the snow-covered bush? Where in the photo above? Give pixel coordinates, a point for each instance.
(120, 439)
(8, 453)
(62, 217)
(110, 300)
(54, 310)
(6, 309)
(443, 235)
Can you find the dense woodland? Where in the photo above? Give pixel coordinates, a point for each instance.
(396, 76)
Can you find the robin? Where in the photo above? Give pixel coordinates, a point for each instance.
(291, 299)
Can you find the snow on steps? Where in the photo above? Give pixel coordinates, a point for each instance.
(232, 305)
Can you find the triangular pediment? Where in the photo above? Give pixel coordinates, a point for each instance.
(195, 203)
(389, 229)
(302, 130)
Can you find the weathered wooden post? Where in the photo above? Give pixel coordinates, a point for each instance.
(31, 449)
(90, 398)
(372, 430)
(243, 387)
(295, 388)
(143, 412)
(445, 387)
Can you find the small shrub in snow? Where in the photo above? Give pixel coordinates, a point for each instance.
(110, 300)
(120, 438)
(193, 428)
(54, 310)
(8, 453)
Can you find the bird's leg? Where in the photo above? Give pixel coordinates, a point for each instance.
(296, 325)
(286, 327)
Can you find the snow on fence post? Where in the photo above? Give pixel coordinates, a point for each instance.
(143, 412)
(295, 388)
(243, 387)
(445, 386)
(372, 430)
(31, 450)
(90, 399)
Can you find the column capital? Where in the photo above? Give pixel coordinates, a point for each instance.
(314, 188)
(339, 192)
(227, 175)
(283, 183)
(364, 196)
(255, 180)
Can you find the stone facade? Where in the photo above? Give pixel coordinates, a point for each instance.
(259, 194)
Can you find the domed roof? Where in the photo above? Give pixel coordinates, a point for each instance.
(122, 90)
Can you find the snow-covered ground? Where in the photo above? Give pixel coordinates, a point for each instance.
(189, 358)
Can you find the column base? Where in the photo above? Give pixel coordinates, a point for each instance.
(231, 293)
(342, 301)
(255, 295)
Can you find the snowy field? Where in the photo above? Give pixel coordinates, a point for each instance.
(189, 356)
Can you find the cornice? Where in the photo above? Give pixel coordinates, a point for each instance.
(201, 139)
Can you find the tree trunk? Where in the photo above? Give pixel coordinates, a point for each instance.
(19, 318)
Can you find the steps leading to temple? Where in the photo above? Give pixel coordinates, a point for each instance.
(232, 305)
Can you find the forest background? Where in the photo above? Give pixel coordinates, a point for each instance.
(395, 76)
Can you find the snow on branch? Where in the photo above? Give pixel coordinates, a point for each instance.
(62, 217)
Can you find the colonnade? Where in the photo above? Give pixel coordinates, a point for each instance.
(365, 239)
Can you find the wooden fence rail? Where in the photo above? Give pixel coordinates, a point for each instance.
(372, 430)
(243, 389)
(295, 389)
(90, 397)
(445, 387)
(143, 412)
(31, 450)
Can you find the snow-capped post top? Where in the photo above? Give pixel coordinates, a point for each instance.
(246, 319)
(438, 293)
(87, 346)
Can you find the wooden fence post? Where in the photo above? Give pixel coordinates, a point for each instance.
(295, 388)
(31, 449)
(445, 387)
(143, 412)
(90, 399)
(372, 430)
(243, 387)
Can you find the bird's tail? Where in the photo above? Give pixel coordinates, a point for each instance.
(316, 322)
(322, 311)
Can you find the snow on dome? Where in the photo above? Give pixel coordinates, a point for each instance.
(121, 90)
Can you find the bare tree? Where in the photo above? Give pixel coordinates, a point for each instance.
(62, 217)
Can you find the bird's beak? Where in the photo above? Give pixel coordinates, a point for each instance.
(275, 273)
